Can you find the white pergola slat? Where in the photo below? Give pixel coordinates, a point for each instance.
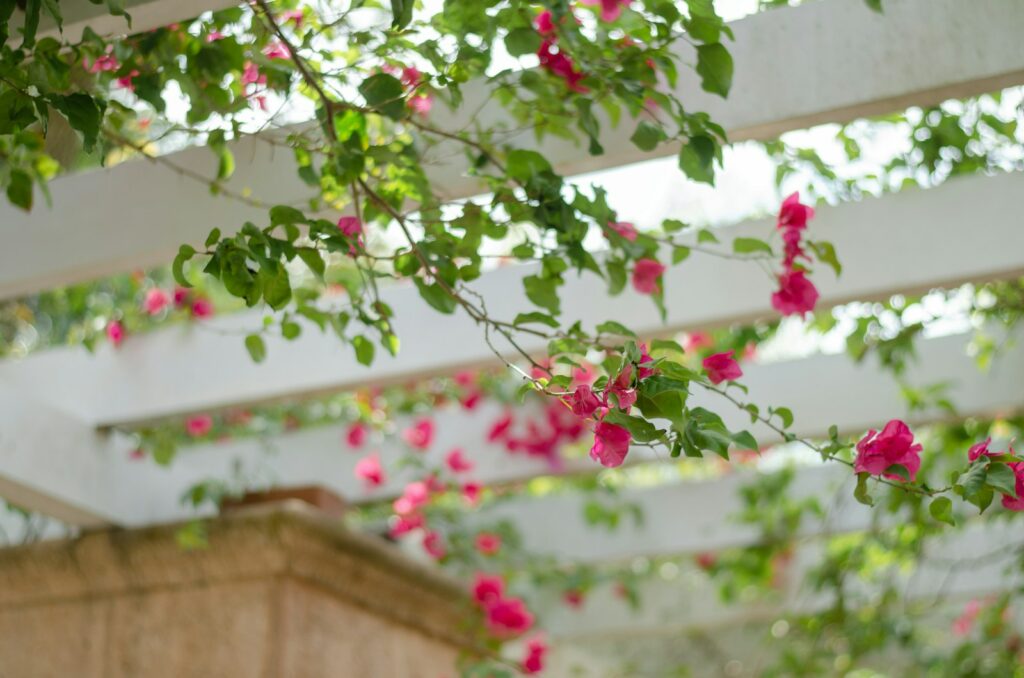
(823, 62)
(903, 243)
(145, 15)
(91, 471)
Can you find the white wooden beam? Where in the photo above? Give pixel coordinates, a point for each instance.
(821, 62)
(903, 243)
(145, 15)
(94, 473)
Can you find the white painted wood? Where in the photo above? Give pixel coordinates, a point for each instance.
(145, 15)
(825, 61)
(908, 242)
(67, 464)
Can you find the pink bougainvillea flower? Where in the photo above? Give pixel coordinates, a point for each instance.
(507, 617)
(647, 276)
(411, 76)
(543, 23)
(793, 213)
(894, 446)
(406, 524)
(457, 462)
(573, 598)
(722, 367)
(979, 449)
(792, 248)
(435, 484)
(137, 454)
(533, 662)
(465, 378)
(696, 341)
(625, 229)
(645, 358)
(352, 228)
(583, 401)
(471, 492)
(369, 470)
(356, 435)
(127, 81)
(963, 624)
(434, 545)
(611, 444)
(202, 308)
(487, 589)
(705, 560)
(415, 495)
(251, 75)
(199, 425)
(584, 374)
(499, 430)
(103, 64)
(560, 64)
(488, 543)
(214, 36)
(420, 436)
(293, 15)
(181, 296)
(421, 104)
(277, 50)
(796, 296)
(1009, 502)
(155, 301)
(115, 332)
(611, 10)
(471, 400)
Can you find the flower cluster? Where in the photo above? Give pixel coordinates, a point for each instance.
(796, 295)
(505, 616)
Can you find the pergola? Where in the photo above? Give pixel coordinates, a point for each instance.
(62, 456)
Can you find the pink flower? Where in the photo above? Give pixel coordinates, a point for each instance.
(583, 374)
(979, 449)
(488, 543)
(199, 425)
(695, 341)
(508, 617)
(412, 76)
(647, 276)
(645, 358)
(611, 10)
(488, 589)
(103, 64)
(722, 367)
(621, 388)
(499, 429)
(369, 470)
(796, 296)
(471, 492)
(434, 484)
(457, 462)
(251, 75)
(202, 308)
(963, 624)
(125, 81)
(1008, 501)
(155, 301)
(415, 495)
(433, 545)
(611, 444)
(533, 662)
(406, 524)
(894, 446)
(115, 332)
(559, 63)
(471, 400)
(583, 401)
(214, 36)
(352, 228)
(573, 598)
(293, 15)
(421, 104)
(277, 50)
(137, 454)
(356, 435)
(794, 214)
(625, 229)
(181, 296)
(420, 435)
(706, 560)
(464, 378)
(545, 26)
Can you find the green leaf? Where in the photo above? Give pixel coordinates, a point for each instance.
(84, 114)
(384, 93)
(696, 159)
(31, 23)
(612, 327)
(942, 510)
(785, 415)
(1001, 477)
(283, 214)
(401, 13)
(312, 259)
(19, 190)
(277, 289)
(875, 5)
(640, 429)
(826, 254)
(861, 492)
(535, 317)
(973, 481)
(53, 9)
(257, 349)
(647, 136)
(185, 252)
(714, 66)
(750, 245)
(436, 296)
(364, 349)
(542, 291)
(522, 40)
(213, 238)
(290, 330)
(680, 254)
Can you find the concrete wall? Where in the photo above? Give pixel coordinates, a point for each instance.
(277, 594)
